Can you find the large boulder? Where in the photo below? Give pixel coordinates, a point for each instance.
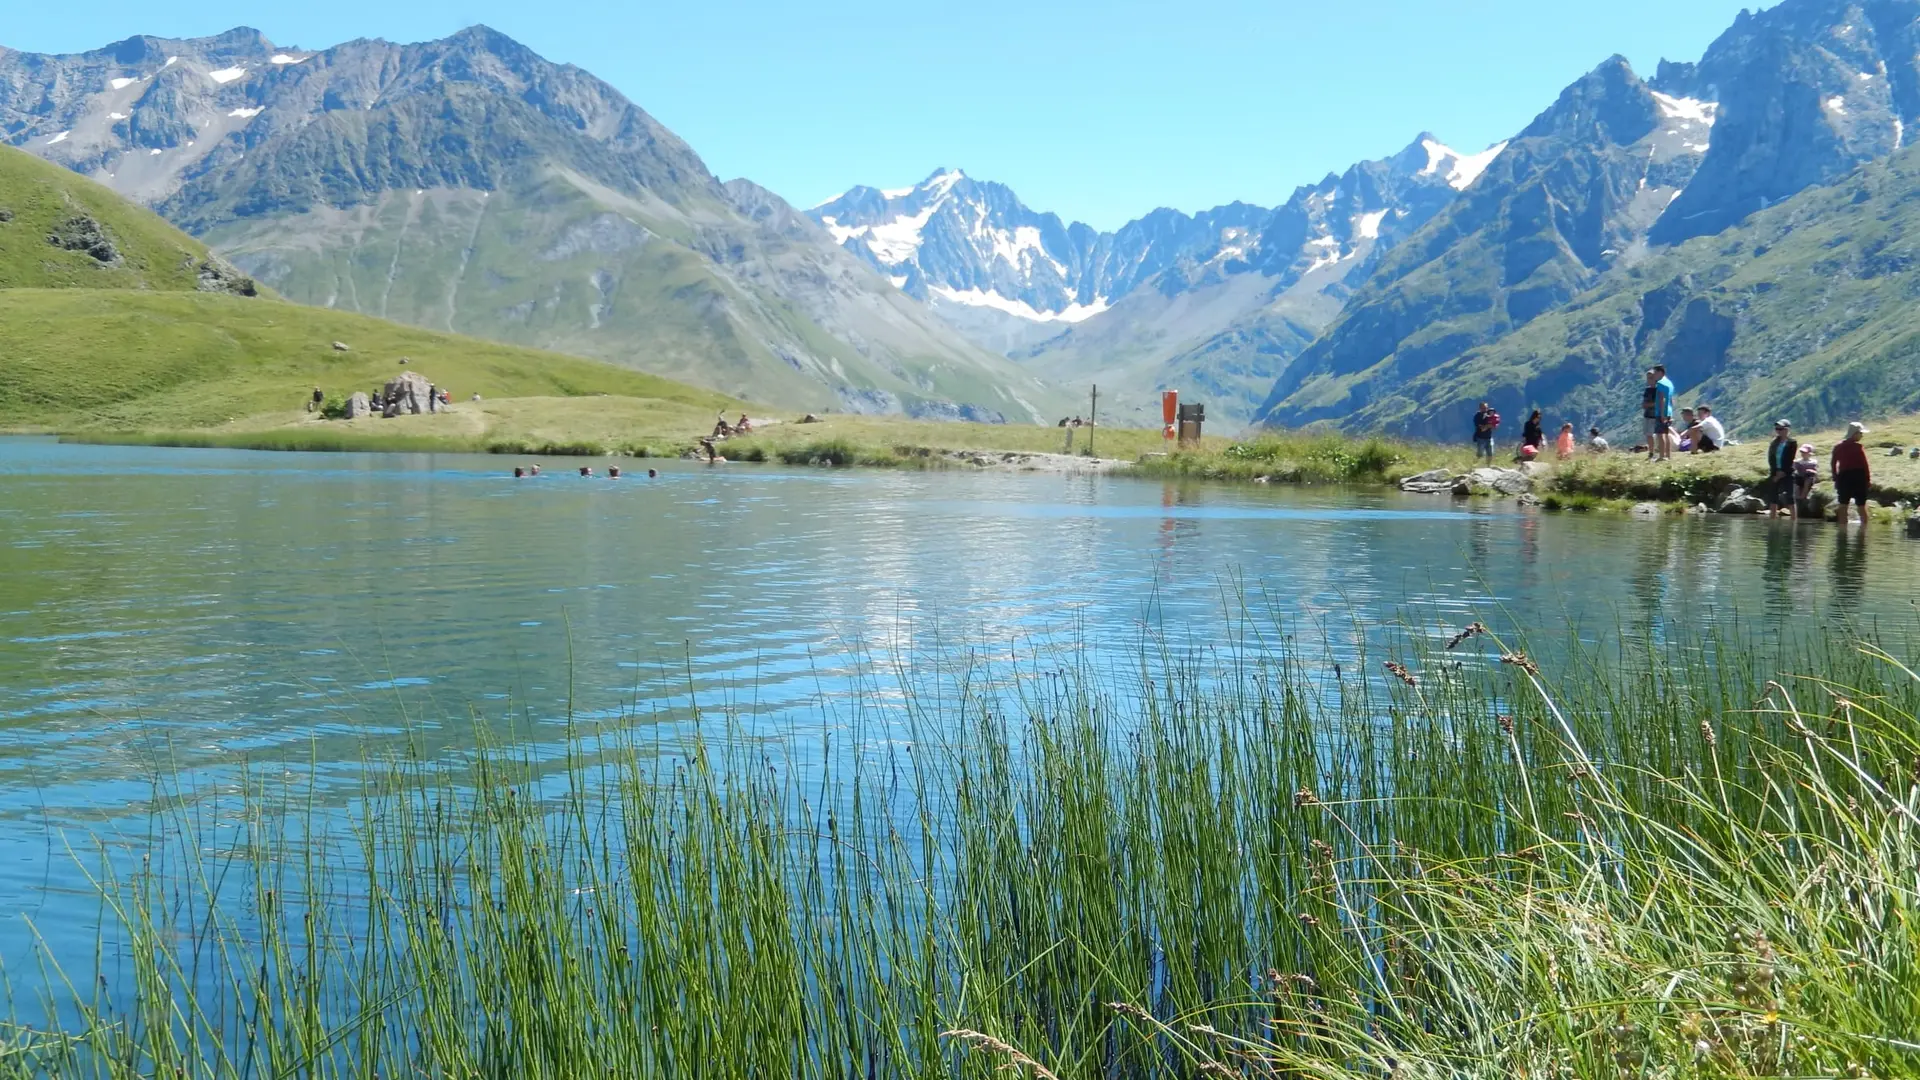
(1913, 524)
(1431, 482)
(1513, 482)
(406, 394)
(1738, 501)
(358, 405)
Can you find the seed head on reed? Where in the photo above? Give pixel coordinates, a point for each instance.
(1131, 1011)
(1015, 1060)
(1707, 733)
(1305, 797)
(1472, 630)
(1399, 671)
(1520, 661)
(1506, 723)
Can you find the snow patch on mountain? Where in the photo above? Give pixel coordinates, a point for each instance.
(1072, 313)
(1679, 108)
(1468, 168)
(1462, 169)
(227, 75)
(121, 84)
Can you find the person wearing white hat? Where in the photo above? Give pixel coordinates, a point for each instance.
(1852, 476)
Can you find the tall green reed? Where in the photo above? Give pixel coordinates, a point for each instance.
(1676, 860)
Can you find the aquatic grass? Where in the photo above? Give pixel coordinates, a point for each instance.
(1646, 857)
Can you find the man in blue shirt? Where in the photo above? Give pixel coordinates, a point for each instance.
(1663, 412)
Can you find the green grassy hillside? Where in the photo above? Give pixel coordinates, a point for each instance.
(83, 358)
(38, 199)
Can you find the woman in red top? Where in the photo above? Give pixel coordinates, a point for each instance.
(1851, 476)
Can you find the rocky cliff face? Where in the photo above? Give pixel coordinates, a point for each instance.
(1807, 91)
(468, 184)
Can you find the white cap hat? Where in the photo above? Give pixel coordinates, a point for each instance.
(1854, 430)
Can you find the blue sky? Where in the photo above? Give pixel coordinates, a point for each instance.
(1099, 110)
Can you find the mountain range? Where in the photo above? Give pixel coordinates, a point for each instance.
(1077, 305)
(469, 184)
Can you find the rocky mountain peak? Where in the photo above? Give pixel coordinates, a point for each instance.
(1608, 105)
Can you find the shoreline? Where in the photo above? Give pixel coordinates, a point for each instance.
(1619, 482)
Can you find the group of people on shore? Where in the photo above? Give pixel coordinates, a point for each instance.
(1533, 437)
(1793, 468)
(1697, 431)
(1793, 471)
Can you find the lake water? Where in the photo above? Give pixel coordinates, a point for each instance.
(190, 611)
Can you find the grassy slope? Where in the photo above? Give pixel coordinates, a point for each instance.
(1816, 295)
(143, 360)
(41, 195)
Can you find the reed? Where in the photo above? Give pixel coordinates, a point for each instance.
(1690, 859)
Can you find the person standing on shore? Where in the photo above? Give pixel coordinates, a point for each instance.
(1851, 474)
(1484, 423)
(1780, 454)
(1647, 414)
(1663, 411)
(1563, 446)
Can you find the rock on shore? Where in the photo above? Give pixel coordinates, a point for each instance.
(1482, 481)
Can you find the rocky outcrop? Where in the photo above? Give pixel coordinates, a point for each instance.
(406, 394)
(83, 234)
(1739, 501)
(358, 406)
(217, 275)
(341, 346)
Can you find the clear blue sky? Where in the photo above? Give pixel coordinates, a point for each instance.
(1097, 109)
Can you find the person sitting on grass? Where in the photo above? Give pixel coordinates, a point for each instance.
(1686, 431)
(1596, 442)
(744, 426)
(1709, 435)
